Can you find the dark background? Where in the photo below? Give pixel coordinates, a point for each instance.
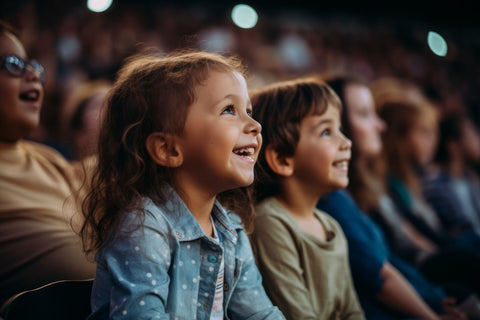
(370, 39)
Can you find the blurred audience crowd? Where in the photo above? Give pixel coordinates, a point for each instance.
(76, 46)
(411, 206)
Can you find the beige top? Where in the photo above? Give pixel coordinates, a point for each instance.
(307, 278)
(37, 243)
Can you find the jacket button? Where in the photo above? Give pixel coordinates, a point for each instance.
(226, 287)
(179, 235)
(212, 259)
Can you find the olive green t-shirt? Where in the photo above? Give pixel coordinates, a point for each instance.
(307, 278)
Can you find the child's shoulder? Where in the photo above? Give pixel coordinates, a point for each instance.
(52, 161)
(270, 211)
(40, 150)
(269, 207)
(147, 214)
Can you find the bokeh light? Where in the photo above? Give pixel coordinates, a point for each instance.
(437, 44)
(244, 16)
(98, 5)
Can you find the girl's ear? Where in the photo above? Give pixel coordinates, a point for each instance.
(163, 149)
(281, 165)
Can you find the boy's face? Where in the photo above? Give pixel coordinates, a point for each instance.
(20, 97)
(221, 141)
(323, 153)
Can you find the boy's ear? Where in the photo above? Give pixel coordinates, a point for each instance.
(163, 149)
(281, 165)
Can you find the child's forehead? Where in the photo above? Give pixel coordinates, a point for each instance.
(330, 114)
(9, 44)
(221, 82)
(222, 73)
(324, 110)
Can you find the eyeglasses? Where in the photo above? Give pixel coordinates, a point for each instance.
(17, 66)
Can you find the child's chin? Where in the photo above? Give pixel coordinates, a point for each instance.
(342, 184)
(247, 182)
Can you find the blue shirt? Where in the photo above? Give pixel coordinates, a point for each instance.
(368, 252)
(439, 191)
(167, 267)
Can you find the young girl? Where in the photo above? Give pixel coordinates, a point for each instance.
(178, 131)
(301, 251)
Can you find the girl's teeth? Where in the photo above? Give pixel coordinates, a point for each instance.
(245, 151)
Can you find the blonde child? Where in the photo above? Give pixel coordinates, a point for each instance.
(177, 132)
(301, 251)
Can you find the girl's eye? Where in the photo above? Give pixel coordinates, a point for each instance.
(230, 109)
(325, 133)
(250, 113)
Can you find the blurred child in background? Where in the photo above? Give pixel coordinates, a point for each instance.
(410, 143)
(82, 116)
(453, 187)
(37, 243)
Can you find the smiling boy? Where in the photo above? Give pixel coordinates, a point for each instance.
(301, 251)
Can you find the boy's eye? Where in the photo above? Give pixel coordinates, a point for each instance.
(230, 109)
(250, 113)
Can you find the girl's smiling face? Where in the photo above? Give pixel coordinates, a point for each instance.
(221, 141)
(20, 97)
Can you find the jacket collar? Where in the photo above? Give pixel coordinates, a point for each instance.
(184, 223)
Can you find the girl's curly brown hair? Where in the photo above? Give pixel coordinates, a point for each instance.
(152, 93)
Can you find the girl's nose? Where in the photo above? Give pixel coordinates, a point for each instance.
(253, 126)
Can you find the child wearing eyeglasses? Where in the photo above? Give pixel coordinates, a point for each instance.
(37, 243)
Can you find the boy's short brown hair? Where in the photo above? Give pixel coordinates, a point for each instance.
(280, 109)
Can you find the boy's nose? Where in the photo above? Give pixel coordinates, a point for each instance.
(346, 143)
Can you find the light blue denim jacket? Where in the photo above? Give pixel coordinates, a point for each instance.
(168, 269)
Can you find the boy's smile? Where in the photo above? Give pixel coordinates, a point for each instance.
(342, 165)
(323, 153)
